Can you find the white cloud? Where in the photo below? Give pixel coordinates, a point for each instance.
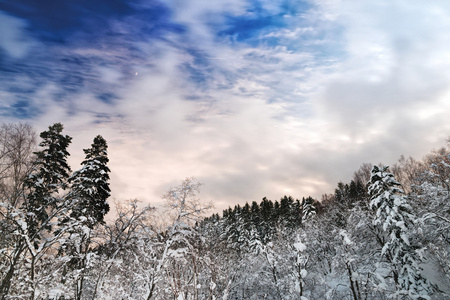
(288, 122)
(295, 33)
(386, 92)
(13, 37)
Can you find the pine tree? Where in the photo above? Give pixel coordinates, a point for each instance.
(285, 206)
(361, 192)
(255, 214)
(393, 217)
(352, 192)
(50, 175)
(88, 195)
(232, 233)
(296, 214)
(43, 205)
(309, 209)
(90, 186)
(267, 225)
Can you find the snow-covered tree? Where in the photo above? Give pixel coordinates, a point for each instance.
(180, 249)
(88, 194)
(395, 220)
(90, 186)
(44, 204)
(431, 202)
(17, 142)
(308, 208)
(109, 276)
(299, 269)
(49, 177)
(438, 165)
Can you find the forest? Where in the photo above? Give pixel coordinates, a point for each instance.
(383, 235)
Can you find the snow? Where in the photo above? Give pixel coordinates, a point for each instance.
(405, 238)
(345, 237)
(299, 246)
(22, 225)
(303, 273)
(55, 293)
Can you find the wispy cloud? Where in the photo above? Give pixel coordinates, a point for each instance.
(14, 40)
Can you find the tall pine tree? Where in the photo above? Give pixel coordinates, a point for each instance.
(44, 205)
(90, 185)
(88, 195)
(49, 177)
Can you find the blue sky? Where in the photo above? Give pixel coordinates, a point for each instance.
(254, 98)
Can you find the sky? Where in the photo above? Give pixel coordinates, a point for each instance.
(254, 98)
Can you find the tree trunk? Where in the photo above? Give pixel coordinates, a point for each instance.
(32, 277)
(352, 284)
(79, 288)
(152, 288)
(6, 282)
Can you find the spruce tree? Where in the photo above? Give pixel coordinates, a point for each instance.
(50, 175)
(43, 205)
(308, 208)
(255, 214)
(296, 214)
(88, 195)
(352, 191)
(90, 186)
(267, 225)
(394, 218)
(287, 212)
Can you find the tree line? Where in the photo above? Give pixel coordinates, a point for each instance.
(383, 235)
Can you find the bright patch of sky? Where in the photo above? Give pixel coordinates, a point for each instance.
(254, 98)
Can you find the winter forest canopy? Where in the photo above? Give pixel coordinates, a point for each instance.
(383, 235)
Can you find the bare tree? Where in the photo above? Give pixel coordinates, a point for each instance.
(438, 167)
(17, 142)
(363, 173)
(129, 226)
(408, 171)
(186, 209)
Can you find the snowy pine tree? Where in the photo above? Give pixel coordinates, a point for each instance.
(43, 205)
(50, 175)
(309, 210)
(394, 219)
(90, 186)
(88, 195)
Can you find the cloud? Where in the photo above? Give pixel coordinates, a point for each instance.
(293, 109)
(13, 38)
(384, 96)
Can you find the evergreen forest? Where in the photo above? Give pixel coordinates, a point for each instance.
(383, 235)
